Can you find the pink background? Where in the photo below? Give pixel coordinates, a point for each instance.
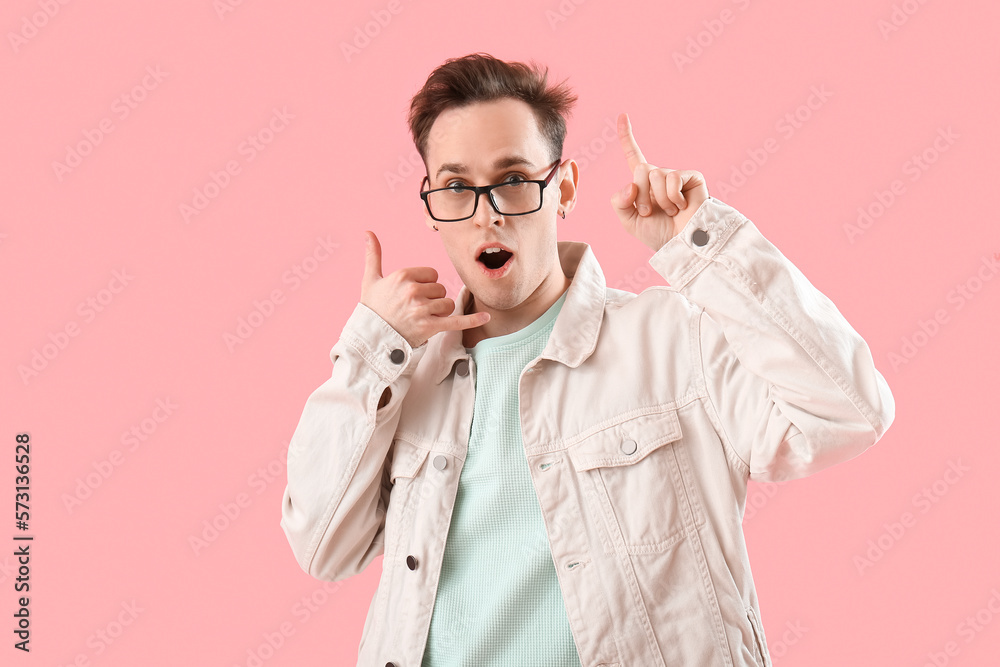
(339, 165)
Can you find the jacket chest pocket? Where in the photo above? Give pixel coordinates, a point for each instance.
(407, 460)
(638, 477)
(405, 474)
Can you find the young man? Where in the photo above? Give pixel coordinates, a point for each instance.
(554, 470)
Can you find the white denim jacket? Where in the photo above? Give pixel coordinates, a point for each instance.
(642, 420)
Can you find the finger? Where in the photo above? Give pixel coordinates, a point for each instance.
(622, 203)
(675, 187)
(628, 143)
(420, 274)
(642, 200)
(462, 321)
(435, 291)
(373, 258)
(441, 307)
(658, 185)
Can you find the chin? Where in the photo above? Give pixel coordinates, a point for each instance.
(494, 297)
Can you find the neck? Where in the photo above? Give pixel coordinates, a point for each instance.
(503, 322)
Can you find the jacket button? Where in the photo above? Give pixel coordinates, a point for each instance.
(629, 446)
(397, 356)
(699, 237)
(440, 462)
(411, 562)
(462, 368)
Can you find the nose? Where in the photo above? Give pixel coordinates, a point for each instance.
(486, 213)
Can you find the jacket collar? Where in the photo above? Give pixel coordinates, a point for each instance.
(574, 334)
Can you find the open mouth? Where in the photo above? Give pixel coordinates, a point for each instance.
(494, 260)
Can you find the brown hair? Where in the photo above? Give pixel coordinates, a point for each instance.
(479, 77)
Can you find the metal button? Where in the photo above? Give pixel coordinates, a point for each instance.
(699, 237)
(411, 562)
(397, 356)
(629, 446)
(463, 367)
(440, 462)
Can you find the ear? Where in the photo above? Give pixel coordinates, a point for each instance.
(568, 181)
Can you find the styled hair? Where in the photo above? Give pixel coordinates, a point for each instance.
(479, 77)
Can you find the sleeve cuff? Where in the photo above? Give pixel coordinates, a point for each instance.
(384, 348)
(684, 256)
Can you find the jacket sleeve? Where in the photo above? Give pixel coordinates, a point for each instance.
(334, 505)
(793, 385)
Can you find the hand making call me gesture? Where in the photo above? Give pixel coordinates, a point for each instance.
(654, 208)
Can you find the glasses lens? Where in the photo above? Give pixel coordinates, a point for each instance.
(451, 204)
(517, 198)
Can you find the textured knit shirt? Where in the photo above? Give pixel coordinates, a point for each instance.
(498, 600)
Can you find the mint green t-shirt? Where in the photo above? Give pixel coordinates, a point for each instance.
(498, 600)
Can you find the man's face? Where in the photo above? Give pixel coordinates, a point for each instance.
(486, 143)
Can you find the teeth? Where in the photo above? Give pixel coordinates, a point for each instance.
(492, 250)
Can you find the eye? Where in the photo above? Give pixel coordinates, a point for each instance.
(517, 178)
(454, 184)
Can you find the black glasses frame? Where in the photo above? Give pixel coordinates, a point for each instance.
(488, 189)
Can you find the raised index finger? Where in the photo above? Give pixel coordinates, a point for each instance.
(631, 148)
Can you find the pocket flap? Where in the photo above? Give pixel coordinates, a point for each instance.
(406, 459)
(626, 442)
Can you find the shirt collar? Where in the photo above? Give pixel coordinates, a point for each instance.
(574, 334)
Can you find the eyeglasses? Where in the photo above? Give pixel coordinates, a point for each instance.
(460, 202)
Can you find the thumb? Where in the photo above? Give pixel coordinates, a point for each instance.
(373, 258)
(623, 202)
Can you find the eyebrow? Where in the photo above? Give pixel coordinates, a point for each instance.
(502, 163)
